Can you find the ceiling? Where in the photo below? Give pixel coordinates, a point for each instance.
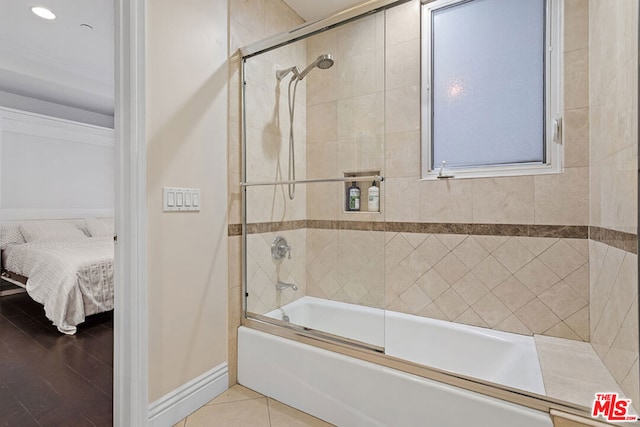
(311, 10)
(64, 62)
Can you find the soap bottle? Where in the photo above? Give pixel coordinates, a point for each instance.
(354, 197)
(373, 199)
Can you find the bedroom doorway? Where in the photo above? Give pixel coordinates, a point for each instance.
(103, 341)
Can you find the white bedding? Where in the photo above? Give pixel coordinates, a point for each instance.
(72, 278)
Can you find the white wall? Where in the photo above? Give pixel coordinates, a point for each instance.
(51, 167)
(186, 115)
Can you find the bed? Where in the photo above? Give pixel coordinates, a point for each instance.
(67, 266)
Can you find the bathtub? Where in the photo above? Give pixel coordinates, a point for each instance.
(346, 391)
(495, 356)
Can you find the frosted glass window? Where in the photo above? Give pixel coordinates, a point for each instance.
(487, 83)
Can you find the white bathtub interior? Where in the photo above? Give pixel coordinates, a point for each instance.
(498, 357)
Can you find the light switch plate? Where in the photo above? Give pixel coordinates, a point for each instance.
(180, 199)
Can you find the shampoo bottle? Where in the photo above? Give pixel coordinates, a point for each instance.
(373, 199)
(354, 197)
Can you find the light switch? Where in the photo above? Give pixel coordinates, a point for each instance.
(180, 199)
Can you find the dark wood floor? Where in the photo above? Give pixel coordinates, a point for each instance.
(51, 379)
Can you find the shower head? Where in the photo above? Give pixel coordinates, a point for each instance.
(280, 74)
(323, 62)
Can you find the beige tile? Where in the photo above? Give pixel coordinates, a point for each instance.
(579, 281)
(536, 245)
(451, 304)
(513, 293)
(451, 241)
(507, 200)
(576, 137)
(396, 250)
(181, 423)
(537, 277)
(579, 323)
(470, 252)
(357, 37)
(470, 289)
(491, 243)
(361, 74)
(562, 198)
(536, 316)
(470, 317)
(630, 385)
(234, 394)
(322, 122)
(433, 250)
(514, 325)
(576, 79)
(282, 415)
(561, 330)
(513, 255)
(451, 269)
(403, 23)
(415, 298)
(416, 239)
(576, 25)
(400, 157)
(562, 259)
(491, 310)
(580, 245)
(403, 64)
(402, 199)
(252, 412)
(446, 200)
(402, 108)
(432, 311)
(562, 300)
(433, 284)
(490, 272)
(602, 281)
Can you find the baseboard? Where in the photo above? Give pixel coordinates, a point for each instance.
(178, 404)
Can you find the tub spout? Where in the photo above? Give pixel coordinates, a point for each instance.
(282, 285)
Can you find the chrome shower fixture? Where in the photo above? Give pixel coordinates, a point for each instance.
(280, 74)
(323, 62)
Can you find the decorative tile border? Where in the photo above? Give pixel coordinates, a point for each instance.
(618, 239)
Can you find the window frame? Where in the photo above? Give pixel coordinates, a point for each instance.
(553, 150)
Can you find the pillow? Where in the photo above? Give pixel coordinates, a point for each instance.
(49, 230)
(10, 233)
(99, 227)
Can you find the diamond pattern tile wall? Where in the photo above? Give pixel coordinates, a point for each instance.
(524, 285)
(263, 272)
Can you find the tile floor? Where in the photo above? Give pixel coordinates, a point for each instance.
(242, 407)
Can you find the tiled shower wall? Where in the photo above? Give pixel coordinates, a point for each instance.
(613, 111)
(524, 285)
(459, 279)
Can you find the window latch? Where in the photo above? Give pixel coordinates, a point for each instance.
(557, 130)
(441, 173)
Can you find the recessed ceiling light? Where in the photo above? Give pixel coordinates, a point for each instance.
(43, 12)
